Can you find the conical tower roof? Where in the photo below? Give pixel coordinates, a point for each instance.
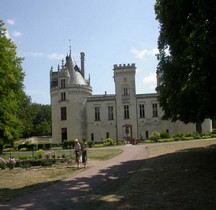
(76, 77)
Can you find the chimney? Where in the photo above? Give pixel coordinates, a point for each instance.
(82, 59)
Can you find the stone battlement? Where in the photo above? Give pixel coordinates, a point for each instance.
(124, 66)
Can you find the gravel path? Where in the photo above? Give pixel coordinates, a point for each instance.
(84, 190)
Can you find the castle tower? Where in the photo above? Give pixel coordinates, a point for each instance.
(68, 91)
(126, 108)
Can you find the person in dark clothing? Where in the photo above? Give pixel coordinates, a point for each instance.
(84, 152)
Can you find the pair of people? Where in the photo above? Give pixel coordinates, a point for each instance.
(81, 151)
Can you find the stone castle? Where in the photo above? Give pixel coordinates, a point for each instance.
(77, 113)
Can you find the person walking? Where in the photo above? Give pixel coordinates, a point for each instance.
(84, 152)
(77, 151)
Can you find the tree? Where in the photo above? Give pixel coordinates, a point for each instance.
(187, 58)
(41, 119)
(11, 87)
(25, 116)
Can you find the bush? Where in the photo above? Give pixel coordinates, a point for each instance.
(186, 138)
(165, 135)
(3, 163)
(26, 164)
(120, 142)
(213, 131)
(1, 148)
(69, 144)
(196, 135)
(206, 137)
(109, 142)
(40, 153)
(155, 136)
(24, 149)
(11, 162)
(177, 138)
(46, 163)
(9, 149)
(90, 144)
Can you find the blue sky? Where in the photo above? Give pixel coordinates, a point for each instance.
(108, 31)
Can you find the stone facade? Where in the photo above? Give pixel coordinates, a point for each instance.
(76, 113)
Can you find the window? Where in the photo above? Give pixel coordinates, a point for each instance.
(110, 113)
(62, 83)
(126, 111)
(154, 110)
(107, 135)
(147, 134)
(92, 136)
(97, 113)
(142, 110)
(63, 113)
(64, 134)
(125, 91)
(63, 96)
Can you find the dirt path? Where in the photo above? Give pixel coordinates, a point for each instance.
(107, 181)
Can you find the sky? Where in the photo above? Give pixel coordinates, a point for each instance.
(108, 32)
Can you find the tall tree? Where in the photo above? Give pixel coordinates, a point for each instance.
(41, 119)
(187, 58)
(11, 87)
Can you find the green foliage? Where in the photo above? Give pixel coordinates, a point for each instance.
(213, 131)
(11, 88)
(155, 136)
(187, 49)
(41, 119)
(90, 144)
(46, 163)
(56, 148)
(164, 135)
(40, 153)
(1, 148)
(68, 144)
(3, 163)
(26, 164)
(120, 142)
(109, 142)
(196, 135)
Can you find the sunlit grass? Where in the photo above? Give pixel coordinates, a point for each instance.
(104, 154)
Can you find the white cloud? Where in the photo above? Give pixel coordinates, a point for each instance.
(151, 78)
(150, 82)
(16, 33)
(55, 56)
(10, 21)
(142, 53)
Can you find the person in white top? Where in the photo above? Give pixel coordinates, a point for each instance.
(77, 151)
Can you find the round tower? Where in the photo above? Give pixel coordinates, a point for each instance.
(68, 91)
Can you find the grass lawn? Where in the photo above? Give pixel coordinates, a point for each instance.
(173, 177)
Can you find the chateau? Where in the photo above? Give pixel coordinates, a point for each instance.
(77, 113)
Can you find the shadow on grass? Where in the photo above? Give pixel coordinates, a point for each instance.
(10, 194)
(185, 179)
